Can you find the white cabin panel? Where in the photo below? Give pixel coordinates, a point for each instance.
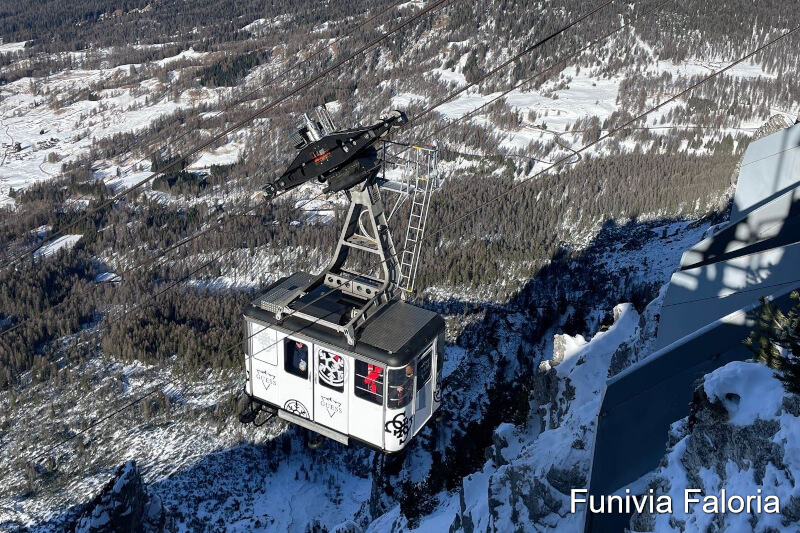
(264, 343)
(365, 420)
(398, 428)
(295, 384)
(264, 380)
(331, 388)
(264, 372)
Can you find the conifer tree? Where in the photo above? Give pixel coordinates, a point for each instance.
(776, 342)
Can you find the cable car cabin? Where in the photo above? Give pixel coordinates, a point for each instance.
(380, 392)
(339, 352)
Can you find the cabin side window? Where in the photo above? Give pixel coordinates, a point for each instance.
(401, 386)
(368, 381)
(295, 358)
(330, 370)
(424, 368)
(439, 361)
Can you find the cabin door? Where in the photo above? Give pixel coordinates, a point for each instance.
(423, 396)
(297, 385)
(330, 388)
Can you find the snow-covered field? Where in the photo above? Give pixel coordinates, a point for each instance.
(51, 248)
(38, 136)
(6, 48)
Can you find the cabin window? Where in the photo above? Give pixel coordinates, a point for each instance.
(439, 360)
(401, 386)
(295, 358)
(330, 370)
(424, 368)
(368, 382)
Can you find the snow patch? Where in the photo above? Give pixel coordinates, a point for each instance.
(748, 391)
(51, 248)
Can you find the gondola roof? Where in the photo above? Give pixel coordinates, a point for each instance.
(393, 336)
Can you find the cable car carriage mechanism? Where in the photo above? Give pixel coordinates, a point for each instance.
(342, 353)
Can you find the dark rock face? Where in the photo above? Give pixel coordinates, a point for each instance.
(565, 480)
(524, 490)
(545, 389)
(711, 443)
(122, 506)
(714, 442)
(623, 357)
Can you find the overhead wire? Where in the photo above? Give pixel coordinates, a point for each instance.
(539, 43)
(542, 73)
(517, 57)
(586, 147)
(611, 132)
(525, 181)
(511, 60)
(433, 7)
(428, 9)
(243, 98)
(238, 125)
(492, 72)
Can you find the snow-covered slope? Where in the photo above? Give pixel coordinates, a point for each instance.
(209, 470)
(525, 484)
(742, 436)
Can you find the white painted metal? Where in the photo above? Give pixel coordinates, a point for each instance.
(425, 181)
(308, 424)
(715, 290)
(331, 383)
(327, 402)
(770, 169)
(398, 427)
(265, 372)
(365, 417)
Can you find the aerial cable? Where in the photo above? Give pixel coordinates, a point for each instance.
(102, 420)
(540, 74)
(430, 109)
(735, 292)
(611, 132)
(255, 115)
(446, 99)
(161, 385)
(237, 344)
(244, 97)
(513, 59)
(502, 195)
(286, 96)
(604, 137)
(105, 418)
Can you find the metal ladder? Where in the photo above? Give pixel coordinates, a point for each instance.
(424, 185)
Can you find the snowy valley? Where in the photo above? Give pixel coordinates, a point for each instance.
(133, 231)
